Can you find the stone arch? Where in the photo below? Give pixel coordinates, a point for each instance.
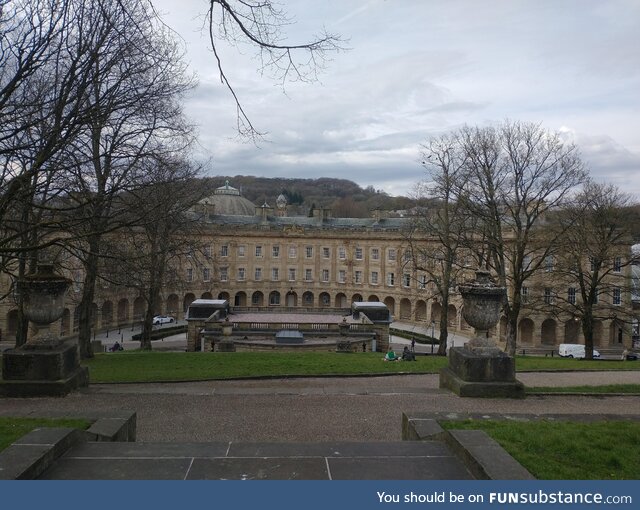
(405, 309)
(173, 306)
(188, 299)
(357, 298)
(12, 323)
(436, 311)
(257, 298)
(452, 316)
(548, 332)
(291, 299)
(571, 331)
(221, 295)
(65, 322)
(391, 305)
(525, 331)
(208, 295)
(138, 308)
(240, 299)
(107, 314)
(274, 298)
(616, 333)
(421, 311)
(307, 299)
(341, 300)
(373, 298)
(597, 333)
(324, 300)
(123, 311)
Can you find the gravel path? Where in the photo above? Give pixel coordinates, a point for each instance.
(311, 409)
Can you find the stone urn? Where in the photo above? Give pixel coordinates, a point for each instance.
(45, 365)
(480, 368)
(227, 327)
(483, 300)
(43, 301)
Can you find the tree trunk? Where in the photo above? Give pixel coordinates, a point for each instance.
(22, 330)
(444, 315)
(587, 331)
(147, 328)
(86, 301)
(512, 330)
(444, 335)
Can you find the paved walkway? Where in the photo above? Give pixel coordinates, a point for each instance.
(305, 428)
(310, 409)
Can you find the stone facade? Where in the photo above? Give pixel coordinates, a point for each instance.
(282, 263)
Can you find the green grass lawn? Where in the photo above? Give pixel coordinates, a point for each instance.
(139, 366)
(567, 450)
(12, 429)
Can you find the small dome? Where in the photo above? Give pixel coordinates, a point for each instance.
(226, 200)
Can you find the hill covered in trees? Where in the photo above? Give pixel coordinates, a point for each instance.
(344, 197)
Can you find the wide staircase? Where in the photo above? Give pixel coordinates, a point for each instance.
(108, 451)
(430, 460)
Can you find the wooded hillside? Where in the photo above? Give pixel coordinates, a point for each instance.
(344, 197)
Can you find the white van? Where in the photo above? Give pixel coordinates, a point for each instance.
(574, 351)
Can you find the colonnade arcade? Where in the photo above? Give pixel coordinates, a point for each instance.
(539, 331)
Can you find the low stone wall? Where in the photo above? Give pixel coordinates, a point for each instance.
(35, 452)
(262, 344)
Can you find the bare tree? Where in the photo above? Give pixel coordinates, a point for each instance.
(135, 115)
(44, 79)
(43, 83)
(144, 255)
(438, 233)
(516, 174)
(593, 260)
(259, 24)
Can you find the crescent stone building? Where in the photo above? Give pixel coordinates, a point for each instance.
(259, 257)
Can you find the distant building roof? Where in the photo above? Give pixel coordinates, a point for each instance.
(280, 222)
(227, 200)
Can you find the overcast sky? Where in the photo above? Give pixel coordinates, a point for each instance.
(418, 68)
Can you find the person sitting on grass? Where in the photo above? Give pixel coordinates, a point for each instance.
(116, 347)
(390, 356)
(408, 355)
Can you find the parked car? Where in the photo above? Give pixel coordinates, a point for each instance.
(163, 319)
(574, 351)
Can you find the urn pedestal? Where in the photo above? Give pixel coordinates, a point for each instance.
(45, 365)
(481, 368)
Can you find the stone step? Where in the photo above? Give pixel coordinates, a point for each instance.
(405, 460)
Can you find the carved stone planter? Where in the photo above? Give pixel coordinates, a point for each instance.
(482, 303)
(45, 365)
(481, 368)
